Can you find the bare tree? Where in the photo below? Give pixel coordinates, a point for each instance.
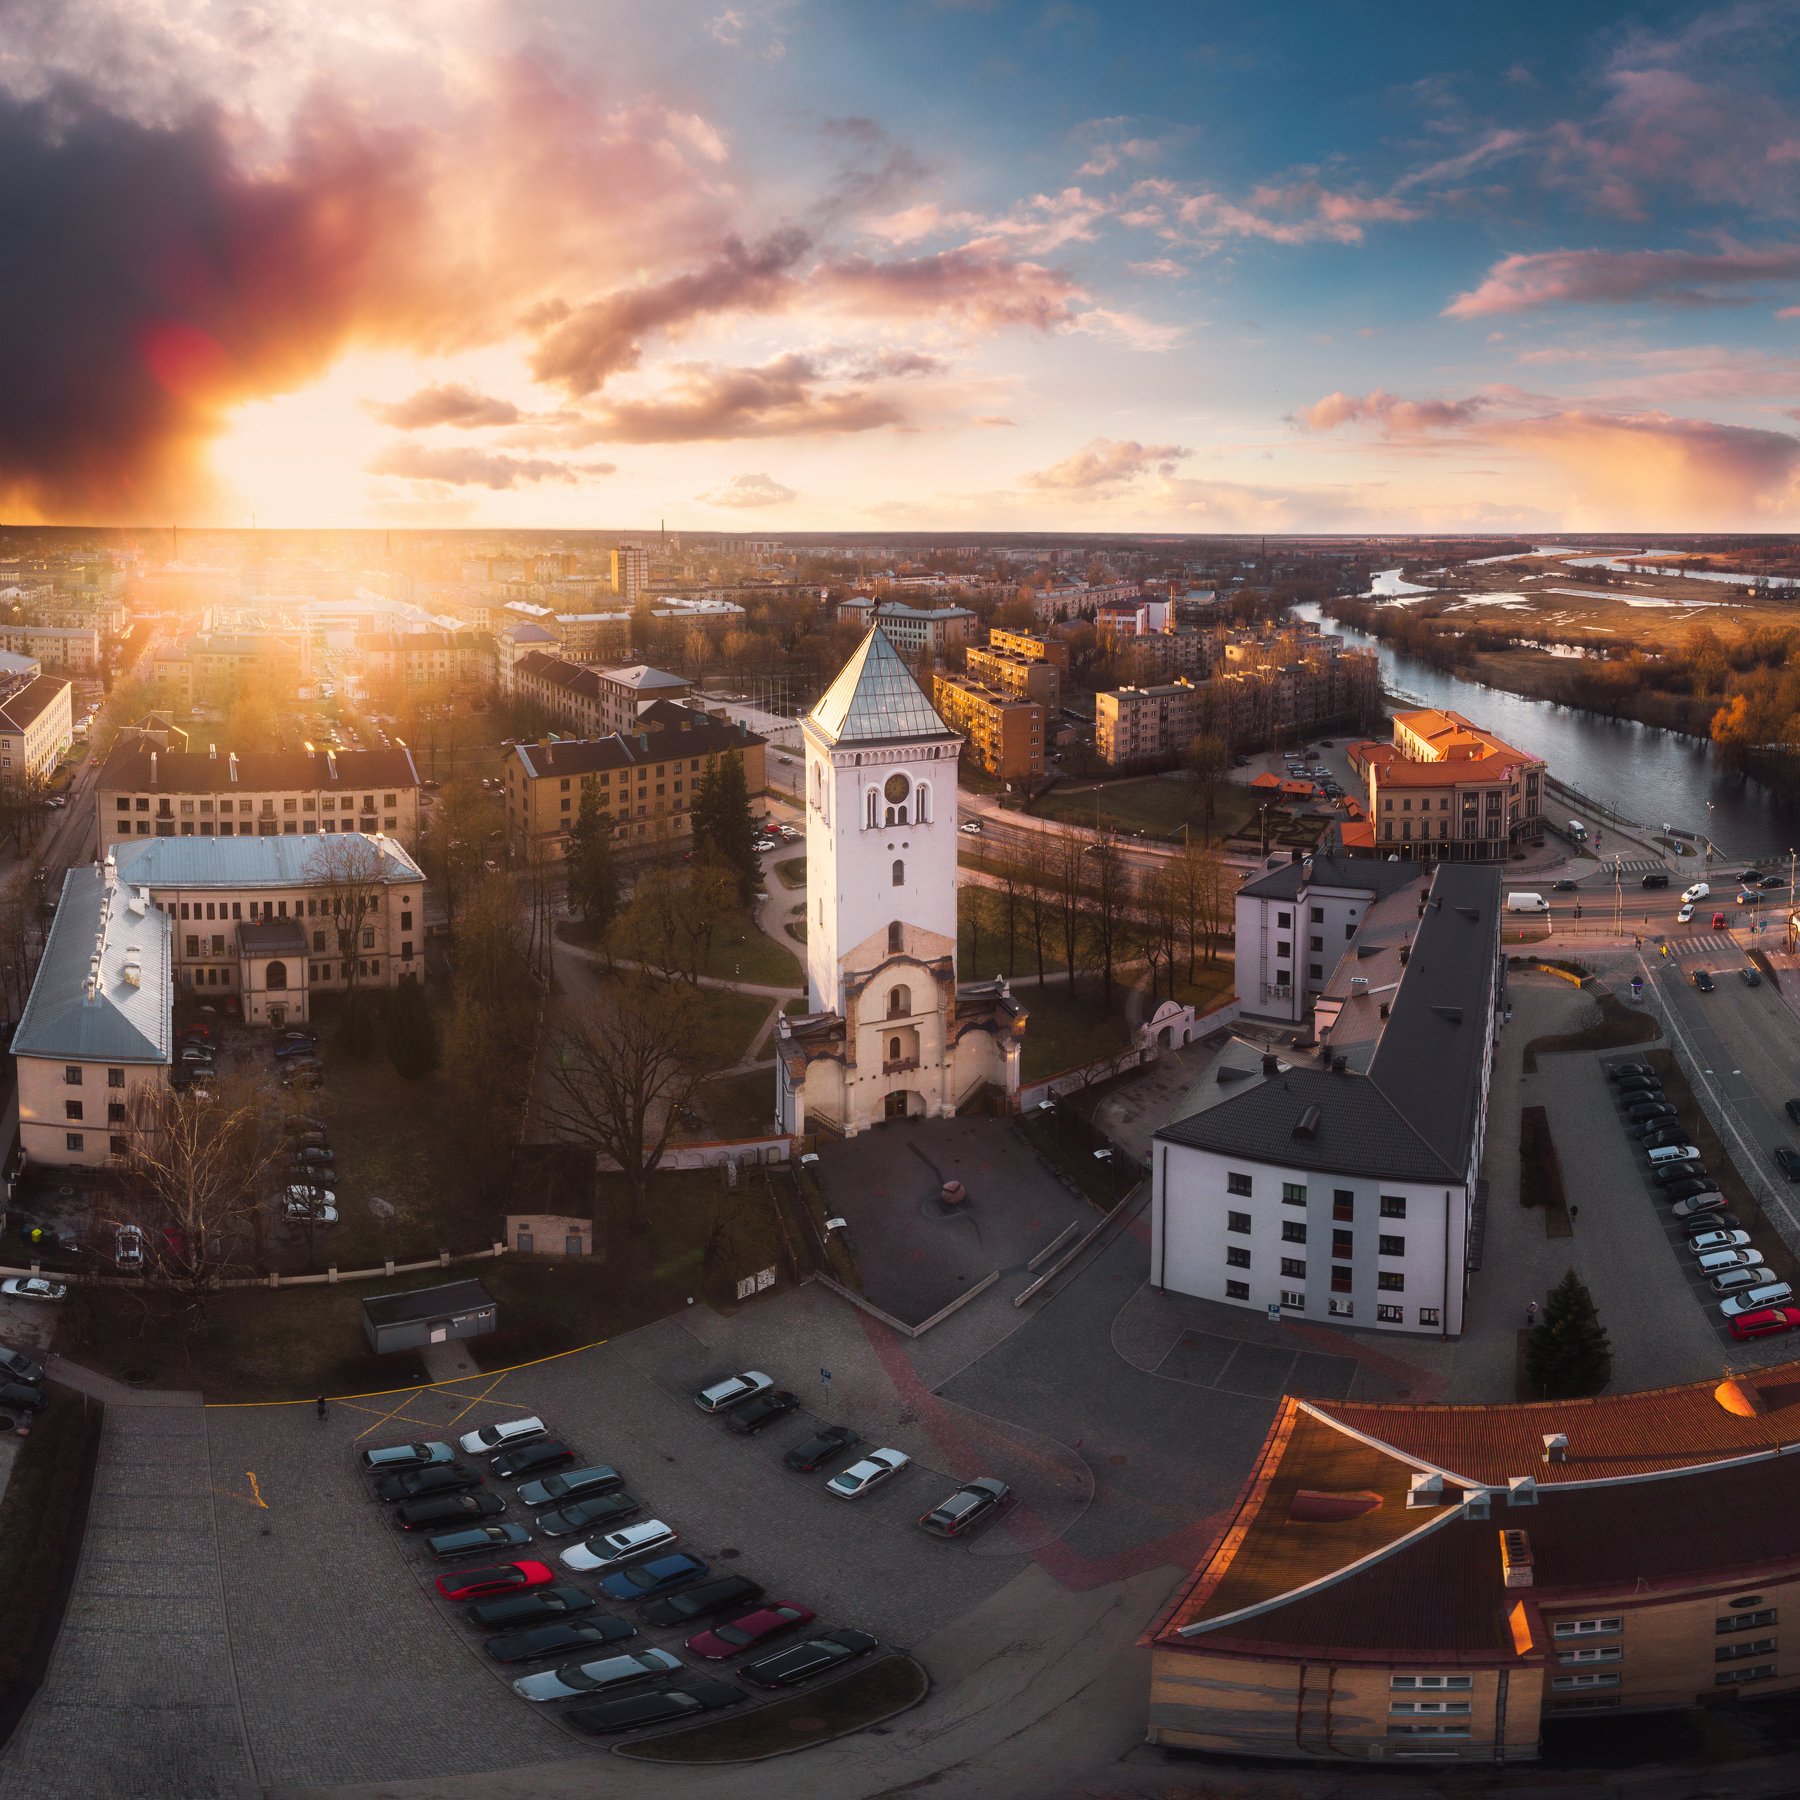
(1158, 919)
(21, 938)
(1037, 903)
(350, 869)
(1107, 885)
(1068, 886)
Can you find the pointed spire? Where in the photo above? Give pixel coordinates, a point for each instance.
(875, 698)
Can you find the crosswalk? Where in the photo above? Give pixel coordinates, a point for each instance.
(1640, 865)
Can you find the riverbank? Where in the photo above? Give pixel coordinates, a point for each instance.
(1540, 675)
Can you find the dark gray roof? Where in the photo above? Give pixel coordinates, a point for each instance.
(1362, 872)
(426, 1303)
(271, 937)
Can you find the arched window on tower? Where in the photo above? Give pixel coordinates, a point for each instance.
(895, 937)
(871, 817)
(900, 1002)
(899, 873)
(893, 1049)
(922, 803)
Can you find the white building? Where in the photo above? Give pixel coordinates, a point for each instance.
(37, 724)
(1336, 1180)
(891, 1034)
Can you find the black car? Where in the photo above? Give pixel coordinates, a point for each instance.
(1639, 1084)
(661, 1708)
(1651, 1109)
(19, 1396)
(962, 1511)
(1708, 1221)
(834, 1440)
(1788, 1162)
(1655, 881)
(726, 1591)
(1792, 1109)
(1618, 1071)
(788, 1668)
(602, 1513)
(473, 1540)
(532, 1459)
(1751, 877)
(1563, 887)
(21, 1367)
(420, 1484)
(1671, 1173)
(763, 1410)
(539, 1608)
(1773, 881)
(1660, 1134)
(1749, 976)
(573, 1484)
(557, 1638)
(1702, 981)
(1686, 1188)
(1638, 1099)
(447, 1509)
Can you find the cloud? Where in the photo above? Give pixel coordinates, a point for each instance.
(1105, 464)
(1620, 278)
(1388, 411)
(450, 403)
(1128, 328)
(462, 466)
(1162, 266)
(749, 490)
(974, 285)
(784, 397)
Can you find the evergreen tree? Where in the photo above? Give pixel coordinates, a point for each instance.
(593, 875)
(356, 1028)
(1568, 1354)
(412, 1034)
(724, 832)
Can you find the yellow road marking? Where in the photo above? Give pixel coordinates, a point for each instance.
(255, 1491)
(382, 1393)
(480, 1397)
(411, 1394)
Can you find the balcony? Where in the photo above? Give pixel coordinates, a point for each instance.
(898, 1065)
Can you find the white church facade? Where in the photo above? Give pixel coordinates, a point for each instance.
(889, 1034)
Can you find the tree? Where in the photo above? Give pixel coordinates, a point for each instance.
(349, 868)
(411, 1032)
(1159, 918)
(451, 850)
(589, 863)
(1208, 758)
(1568, 1354)
(724, 832)
(1031, 877)
(1107, 880)
(1068, 886)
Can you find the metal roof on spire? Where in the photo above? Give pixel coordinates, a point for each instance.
(875, 699)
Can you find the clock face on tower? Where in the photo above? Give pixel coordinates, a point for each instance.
(898, 787)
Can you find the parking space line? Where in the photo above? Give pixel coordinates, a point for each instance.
(412, 1393)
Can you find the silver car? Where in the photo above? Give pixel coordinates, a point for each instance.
(732, 1390)
(605, 1676)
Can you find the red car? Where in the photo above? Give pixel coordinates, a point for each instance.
(508, 1578)
(747, 1632)
(1771, 1321)
(199, 1029)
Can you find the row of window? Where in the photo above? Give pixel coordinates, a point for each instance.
(196, 946)
(1390, 1281)
(1294, 1300)
(333, 907)
(72, 1076)
(265, 827)
(1343, 1243)
(115, 1112)
(76, 1142)
(603, 778)
(330, 803)
(1293, 1193)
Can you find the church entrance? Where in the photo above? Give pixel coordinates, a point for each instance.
(894, 1107)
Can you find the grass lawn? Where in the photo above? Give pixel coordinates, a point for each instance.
(1211, 983)
(728, 1021)
(792, 873)
(736, 1106)
(743, 951)
(1064, 1033)
(1154, 805)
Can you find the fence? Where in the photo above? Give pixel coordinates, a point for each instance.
(275, 1279)
(711, 1156)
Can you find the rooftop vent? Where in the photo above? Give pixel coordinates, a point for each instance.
(231, 760)
(134, 966)
(1271, 1065)
(1425, 1490)
(153, 768)
(1452, 1013)
(1384, 1009)
(212, 752)
(1475, 1503)
(1521, 1490)
(1307, 1125)
(1359, 984)
(1405, 954)
(1515, 1559)
(1556, 1447)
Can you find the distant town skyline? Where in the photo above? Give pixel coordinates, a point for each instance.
(948, 265)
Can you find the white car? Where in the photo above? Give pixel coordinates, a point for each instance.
(733, 1389)
(498, 1436)
(1715, 1262)
(875, 1468)
(1776, 1293)
(299, 1198)
(1698, 891)
(605, 1675)
(128, 1249)
(1718, 1240)
(322, 1211)
(1686, 913)
(622, 1546)
(33, 1287)
(970, 828)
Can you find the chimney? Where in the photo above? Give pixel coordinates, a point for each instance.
(1424, 1490)
(1556, 1447)
(153, 768)
(1521, 1490)
(1359, 984)
(1271, 1066)
(134, 965)
(1515, 1559)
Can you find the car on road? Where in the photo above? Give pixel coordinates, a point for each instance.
(1685, 916)
(447, 1509)
(723, 1593)
(557, 1639)
(1787, 1161)
(970, 828)
(471, 1540)
(763, 1410)
(424, 1484)
(33, 1287)
(1774, 1293)
(604, 1675)
(572, 1484)
(612, 1548)
(869, 1473)
(1699, 891)
(486, 1439)
(1697, 1204)
(1773, 881)
(1750, 877)
(584, 1515)
(965, 1509)
(1655, 881)
(505, 1578)
(128, 1247)
(749, 1631)
(536, 1608)
(391, 1459)
(532, 1459)
(788, 1668)
(1564, 887)
(1749, 976)
(1769, 1321)
(634, 1711)
(1702, 980)
(1715, 1239)
(815, 1452)
(663, 1575)
(733, 1390)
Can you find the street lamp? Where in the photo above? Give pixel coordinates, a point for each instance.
(1709, 835)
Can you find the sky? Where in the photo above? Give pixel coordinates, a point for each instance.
(917, 264)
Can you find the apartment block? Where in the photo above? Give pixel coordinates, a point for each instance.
(592, 702)
(425, 658)
(67, 649)
(1021, 677)
(630, 572)
(1446, 790)
(1077, 600)
(1005, 734)
(37, 724)
(208, 668)
(1030, 646)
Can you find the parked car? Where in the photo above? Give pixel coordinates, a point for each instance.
(128, 1247)
(572, 1484)
(503, 1433)
(1675, 1172)
(583, 1516)
(763, 1409)
(320, 1208)
(423, 1484)
(1666, 1154)
(1792, 1109)
(662, 1575)
(733, 1390)
(1659, 1134)
(666, 1705)
(471, 1540)
(1680, 1190)
(1768, 1321)
(391, 1459)
(1639, 1084)
(1702, 980)
(33, 1287)
(605, 1675)
(1646, 1124)
(965, 1509)
(532, 1459)
(1699, 1203)
(723, 1593)
(447, 1509)
(21, 1396)
(21, 1367)
(869, 1473)
(812, 1455)
(312, 1156)
(1715, 1262)
(505, 1578)
(1619, 1070)
(788, 1668)
(1787, 1161)
(536, 1608)
(749, 1632)
(1731, 1281)
(1774, 1293)
(626, 1544)
(1716, 1239)
(557, 1639)
(1707, 1220)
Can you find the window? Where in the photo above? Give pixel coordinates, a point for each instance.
(1451, 1708)
(73, 1140)
(1292, 1232)
(1595, 1653)
(1428, 1315)
(368, 942)
(1341, 1280)
(1745, 1621)
(1236, 1257)
(1315, 943)
(1455, 1683)
(1316, 971)
(1318, 915)
(115, 1078)
(1237, 1290)
(1283, 948)
(1293, 1193)
(1390, 1281)
(1749, 1647)
(72, 1109)
(899, 873)
(72, 1075)
(1563, 1684)
(1568, 1628)
(1236, 1184)
(1293, 1268)
(1343, 1204)
(116, 1146)
(406, 949)
(1725, 1677)
(276, 978)
(1236, 1221)
(1284, 920)
(1428, 1731)
(1393, 1206)
(1390, 1315)
(1343, 1309)
(1390, 1246)
(406, 921)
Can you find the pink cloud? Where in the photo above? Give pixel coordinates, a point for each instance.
(1394, 416)
(788, 396)
(1106, 464)
(461, 466)
(1618, 278)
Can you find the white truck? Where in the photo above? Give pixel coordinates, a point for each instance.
(1527, 903)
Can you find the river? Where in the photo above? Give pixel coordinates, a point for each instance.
(1658, 777)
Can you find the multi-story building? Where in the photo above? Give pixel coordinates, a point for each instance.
(67, 649)
(1005, 733)
(1030, 646)
(921, 630)
(1444, 789)
(589, 636)
(630, 572)
(645, 778)
(1337, 1181)
(37, 724)
(210, 667)
(1145, 724)
(1077, 600)
(273, 920)
(1427, 1582)
(425, 658)
(593, 702)
(99, 1023)
(145, 791)
(1022, 677)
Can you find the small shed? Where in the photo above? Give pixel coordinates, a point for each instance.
(434, 1315)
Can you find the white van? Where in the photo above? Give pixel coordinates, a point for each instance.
(1527, 903)
(1773, 1293)
(1699, 891)
(1673, 1153)
(1578, 831)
